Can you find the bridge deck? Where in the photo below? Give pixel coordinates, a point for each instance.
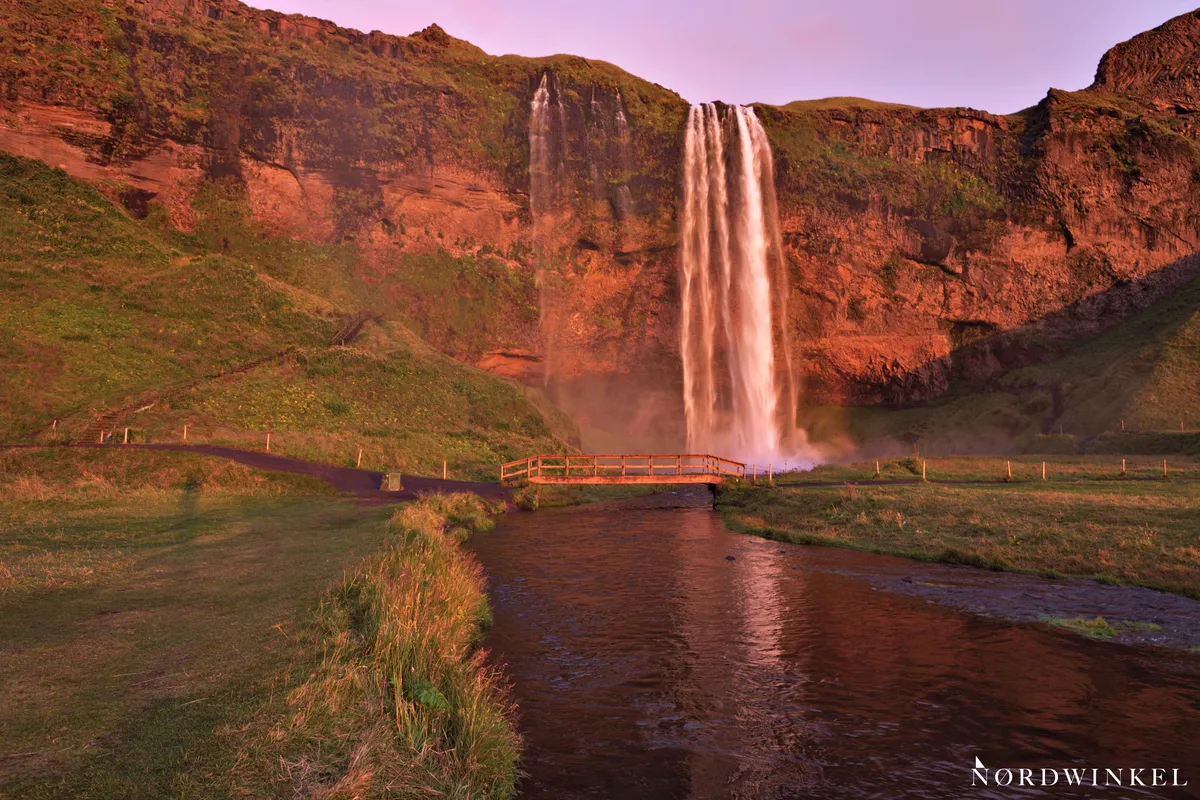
(622, 469)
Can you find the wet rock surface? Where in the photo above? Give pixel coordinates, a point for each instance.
(1025, 598)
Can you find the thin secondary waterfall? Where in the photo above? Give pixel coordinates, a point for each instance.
(547, 187)
(734, 293)
(581, 158)
(545, 148)
(624, 161)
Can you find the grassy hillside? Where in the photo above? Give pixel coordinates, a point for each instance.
(109, 313)
(1144, 372)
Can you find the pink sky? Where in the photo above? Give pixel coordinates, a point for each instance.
(998, 55)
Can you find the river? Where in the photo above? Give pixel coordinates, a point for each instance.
(655, 654)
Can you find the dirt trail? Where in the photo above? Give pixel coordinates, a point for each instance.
(360, 482)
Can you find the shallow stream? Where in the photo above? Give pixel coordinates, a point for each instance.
(656, 654)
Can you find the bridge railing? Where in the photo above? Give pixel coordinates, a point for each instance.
(622, 466)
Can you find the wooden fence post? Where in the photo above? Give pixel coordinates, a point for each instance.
(358, 463)
(268, 441)
(1043, 470)
(923, 463)
(443, 469)
(1009, 465)
(54, 429)
(1122, 466)
(1164, 468)
(101, 437)
(126, 436)
(877, 472)
(185, 433)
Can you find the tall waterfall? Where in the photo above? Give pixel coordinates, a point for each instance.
(739, 388)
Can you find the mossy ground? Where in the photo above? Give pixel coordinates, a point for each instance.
(1085, 522)
(1025, 468)
(1098, 627)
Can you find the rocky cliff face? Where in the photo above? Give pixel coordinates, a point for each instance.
(1161, 66)
(918, 233)
(926, 246)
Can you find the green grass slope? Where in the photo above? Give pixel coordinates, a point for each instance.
(105, 312)
(1144, 372)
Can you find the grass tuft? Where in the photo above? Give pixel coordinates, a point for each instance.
(1098, 627)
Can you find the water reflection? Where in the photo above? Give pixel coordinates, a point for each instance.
(648, 664)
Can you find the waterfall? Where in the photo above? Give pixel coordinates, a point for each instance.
(597, 139)
(733, 286)
(545, 148)
(624, 200)
(547, 190)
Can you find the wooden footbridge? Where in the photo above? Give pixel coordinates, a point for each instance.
(620, 470)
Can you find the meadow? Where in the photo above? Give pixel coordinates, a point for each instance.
(175, 625)
(1086, 520)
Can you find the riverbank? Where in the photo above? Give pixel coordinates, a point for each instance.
(177, 624)
(1141, 533)
(387, 688)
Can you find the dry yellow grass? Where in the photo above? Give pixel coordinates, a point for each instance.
(390, 695)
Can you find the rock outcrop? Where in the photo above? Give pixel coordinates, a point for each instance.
(926, 246)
